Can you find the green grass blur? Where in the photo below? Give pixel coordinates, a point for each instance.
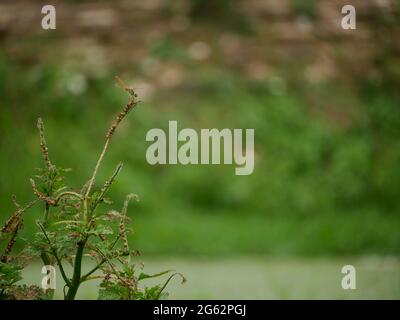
(321, 185)
(261, 277)
(324, 103)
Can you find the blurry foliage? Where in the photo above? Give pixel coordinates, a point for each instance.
(306, 8)
(223, 12)
(307, 165)
(167, 49)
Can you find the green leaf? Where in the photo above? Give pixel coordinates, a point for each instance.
(112, 291)
(9, 274)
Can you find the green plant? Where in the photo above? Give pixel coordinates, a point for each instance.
(224, 12)
(76, 225)
(307, 8)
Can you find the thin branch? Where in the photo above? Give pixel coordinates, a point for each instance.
(101, 262)
(122, 223)
(92, 179)
(92, 278)
(50, 201)
(132, 102)
(97, 267)
(111, 265)
(168, 280)
(14, 200)
(68, 193)
(107, 185)
(54, 252)
(41, 195)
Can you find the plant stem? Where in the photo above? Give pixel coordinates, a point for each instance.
(68, 193)
(92, 179)
(46, 214)
(76, 278)
(48, 261)
(93, 270)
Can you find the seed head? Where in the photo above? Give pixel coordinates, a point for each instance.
(43, 145)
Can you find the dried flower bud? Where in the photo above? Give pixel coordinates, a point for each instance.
(43, 145)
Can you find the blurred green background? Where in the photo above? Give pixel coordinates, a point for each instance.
(324, 103)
